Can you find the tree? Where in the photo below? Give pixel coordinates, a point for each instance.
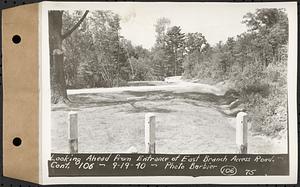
(77, 49)
(161, 28)
(159, 61)
(96, 55)
(174, 40)
(159, 53)
(139, 60)
(271, 29)
(196, 48)
(56, 37)
(114, 58)
(195, 42)
(255, 63)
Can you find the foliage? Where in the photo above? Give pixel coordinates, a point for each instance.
(174, 48)
(256, 62)
(96, 55)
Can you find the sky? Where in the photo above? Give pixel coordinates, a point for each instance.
(216, 23)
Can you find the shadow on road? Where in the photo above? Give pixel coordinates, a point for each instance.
(90, 100)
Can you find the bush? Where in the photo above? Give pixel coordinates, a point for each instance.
(255, 62)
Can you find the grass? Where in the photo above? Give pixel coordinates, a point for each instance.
(186, 123)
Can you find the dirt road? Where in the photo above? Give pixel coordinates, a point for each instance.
(187, 115)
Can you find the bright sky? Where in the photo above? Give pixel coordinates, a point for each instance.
(217, 23)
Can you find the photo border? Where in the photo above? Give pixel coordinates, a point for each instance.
(45, 112)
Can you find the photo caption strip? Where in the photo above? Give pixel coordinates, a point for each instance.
(83, 165)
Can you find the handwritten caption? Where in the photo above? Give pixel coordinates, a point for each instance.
(162, 165)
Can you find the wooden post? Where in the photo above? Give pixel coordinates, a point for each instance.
(241, 132)
(132, 149)
(73, 132)
(150, 133)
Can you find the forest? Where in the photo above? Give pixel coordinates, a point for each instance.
(95, 54)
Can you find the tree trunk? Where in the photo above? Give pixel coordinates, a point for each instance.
(59, 93)
(58, 81)
(57, 73)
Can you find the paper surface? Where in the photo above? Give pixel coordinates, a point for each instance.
(21, 93)
(114, 98)
(173, 130)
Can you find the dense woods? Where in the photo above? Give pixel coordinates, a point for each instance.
(96, 55)
(254, 62)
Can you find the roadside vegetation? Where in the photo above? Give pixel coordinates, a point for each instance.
(255, 63)
(252, 64)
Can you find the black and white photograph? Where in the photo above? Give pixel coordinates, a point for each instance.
(171, 78)
(192, 77)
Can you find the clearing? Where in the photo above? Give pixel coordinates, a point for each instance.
(188, 119)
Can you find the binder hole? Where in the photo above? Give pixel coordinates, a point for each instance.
(17, 141)
(16, 39)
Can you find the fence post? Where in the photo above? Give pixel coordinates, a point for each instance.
(242, 132)
(150, 133)
(73, 132)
